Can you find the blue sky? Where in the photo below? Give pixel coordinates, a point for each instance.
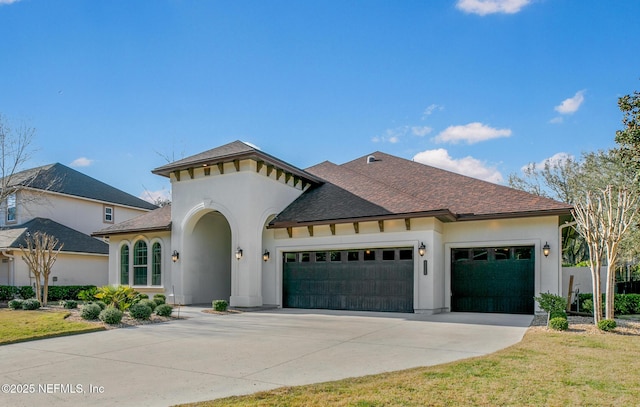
(481, 87)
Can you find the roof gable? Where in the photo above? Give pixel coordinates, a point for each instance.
(72, 240)
(64, 180)
(156, 220)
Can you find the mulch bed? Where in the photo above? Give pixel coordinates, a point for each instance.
(585, 326)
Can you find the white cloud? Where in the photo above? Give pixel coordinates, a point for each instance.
(484, 7)
(557, 120)
(554, 161)
(469, 166)
(8, 2)
(421, 131)
(429, 110)
(392, 135)
(82, 161)
(572, 104)
(155, 196)
(470, 133)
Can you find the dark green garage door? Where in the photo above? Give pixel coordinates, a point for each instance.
(496, 279)
(361, 280)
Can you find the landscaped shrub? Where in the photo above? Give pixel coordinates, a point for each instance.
(160, 299)
(625, 304)
(99, 303)
(7, 292)
(90, 311)
(111, 315)
(551, 302)
(88, 295)
(164, 310)
(558, 314)
(144, 297)
(31, 304)
(587, 306)
(26, 292)
(121, 297)
(140, 311)
(149, 303)
(559, 324)
(16, 304)
(607, 325)
(220, 305)
(65, 292)
(69, 304)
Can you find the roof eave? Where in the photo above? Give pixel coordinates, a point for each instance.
(511, 215)
(130, 231)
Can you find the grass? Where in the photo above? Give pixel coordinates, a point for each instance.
(19, 326)
(546, 368)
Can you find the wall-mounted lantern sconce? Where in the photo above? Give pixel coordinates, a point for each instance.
(265, 256)
(546, 249)
(175, 256)
(238, 253)
(422, 249)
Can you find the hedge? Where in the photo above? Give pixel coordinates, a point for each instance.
(55, 293)
(623, 304)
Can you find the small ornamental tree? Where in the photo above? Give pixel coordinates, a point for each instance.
(40, 255)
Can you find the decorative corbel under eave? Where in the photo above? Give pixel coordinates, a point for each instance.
(290, 231)
(221, 168)
(381, 225)
(356, 227)
(310, 229)
(176, 174)
(190, 171)
(332, 226)
(407, 223)
(236, 163)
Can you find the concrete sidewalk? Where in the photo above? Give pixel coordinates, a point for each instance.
(210, 356)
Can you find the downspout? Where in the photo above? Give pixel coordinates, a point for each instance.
(12, 269)
(560, 274)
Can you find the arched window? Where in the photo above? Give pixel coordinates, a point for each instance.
(156, 264)
(140, 263)
(124, 265)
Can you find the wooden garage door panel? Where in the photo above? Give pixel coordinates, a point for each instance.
(493, 285)
(364, 285)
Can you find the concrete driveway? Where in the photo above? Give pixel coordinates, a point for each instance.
(211, 356)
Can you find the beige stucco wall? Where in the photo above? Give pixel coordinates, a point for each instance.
(582, 279)
(70, 269)
(83, 215)
(246, 199)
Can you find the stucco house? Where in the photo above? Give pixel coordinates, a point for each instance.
(69, 205)
(378, 233)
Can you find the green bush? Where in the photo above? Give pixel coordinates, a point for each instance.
(161, 296)
(90, 311)
(66, 292)
(88, 294)
(99, 303)
(144, 297)
(69, 304)
(551, 302)
(7, 292)
(558, 314)
(164, 310)
(121, 297)
(149, 303)
(559, 324)
(111, 316)
(220, 305)
(140, 311)
(31, 304)
(16, 304)
(607, 325)
(26, 292)
(159, 300)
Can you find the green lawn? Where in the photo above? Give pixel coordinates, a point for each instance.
(546, 368)
(18, 326)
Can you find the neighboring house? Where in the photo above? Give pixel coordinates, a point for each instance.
(379, 233)
(68, 205)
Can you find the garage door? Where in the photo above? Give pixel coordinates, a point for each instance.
(495, 279)
(361, 280)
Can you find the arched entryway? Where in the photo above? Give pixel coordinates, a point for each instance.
(207, 258)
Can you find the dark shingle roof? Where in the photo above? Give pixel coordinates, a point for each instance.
(74, 241)
(157, 220)
(236, 150)
(62, 179)
(394, 187)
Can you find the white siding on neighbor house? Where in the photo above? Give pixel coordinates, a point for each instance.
(81, 214)
(70, 269)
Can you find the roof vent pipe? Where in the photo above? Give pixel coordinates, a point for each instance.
(371, 159)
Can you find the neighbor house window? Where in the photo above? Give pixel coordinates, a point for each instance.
(140, 263)
(11, 208)
(108, 214)
(156, 264)
(124, 265)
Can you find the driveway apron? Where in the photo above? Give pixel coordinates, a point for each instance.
(205, 356)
